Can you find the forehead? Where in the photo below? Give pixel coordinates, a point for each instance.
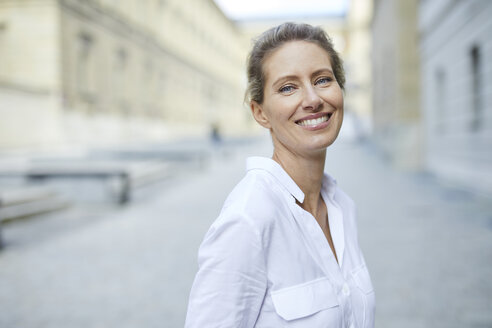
(296, 57)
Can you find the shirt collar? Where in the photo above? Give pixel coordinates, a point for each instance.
(274, 168)
(329, 184)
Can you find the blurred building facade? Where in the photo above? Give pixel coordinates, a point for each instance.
(433, 87)
(456, 88)
(357, 63)
(103, 71)
(395, 79)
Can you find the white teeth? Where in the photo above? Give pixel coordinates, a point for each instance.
(314, 121)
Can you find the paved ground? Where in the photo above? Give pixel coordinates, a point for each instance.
(428, 247)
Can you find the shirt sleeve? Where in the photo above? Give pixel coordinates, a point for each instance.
(231, 281)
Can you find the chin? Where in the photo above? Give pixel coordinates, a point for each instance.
(324, 142)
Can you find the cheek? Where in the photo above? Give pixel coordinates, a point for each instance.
(333, 96)
(279, 112)
(336, 98)
(342, 99)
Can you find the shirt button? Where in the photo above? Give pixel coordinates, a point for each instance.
(345, 289)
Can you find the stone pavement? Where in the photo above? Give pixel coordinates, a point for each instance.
(428, 248)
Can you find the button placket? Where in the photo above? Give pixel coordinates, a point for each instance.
(346, 290)
(318, 238)
(335, 219)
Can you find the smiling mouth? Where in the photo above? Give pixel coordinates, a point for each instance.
(315, 121)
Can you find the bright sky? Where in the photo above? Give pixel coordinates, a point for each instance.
(257, 9)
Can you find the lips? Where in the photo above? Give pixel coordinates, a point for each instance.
(314, 120)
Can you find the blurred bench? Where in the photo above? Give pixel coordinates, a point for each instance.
(23, 201)
(130, 175)
(194, 157)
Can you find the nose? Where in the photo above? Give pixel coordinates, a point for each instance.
(311, 101)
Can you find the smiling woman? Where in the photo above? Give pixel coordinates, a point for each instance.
(302, 102)
(284, 251)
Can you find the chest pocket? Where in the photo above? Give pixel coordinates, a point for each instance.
(303, 300)
(365, 299)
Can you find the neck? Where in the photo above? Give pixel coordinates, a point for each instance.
(307, 173)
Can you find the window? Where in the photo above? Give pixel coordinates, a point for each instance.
(119, 78)
(477, 88)
(441, 100)
(85, 56)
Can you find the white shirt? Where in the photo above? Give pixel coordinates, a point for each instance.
(265, 261)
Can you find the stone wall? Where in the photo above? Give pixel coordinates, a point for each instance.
(396, 107)
(456, 47)
(92, 72)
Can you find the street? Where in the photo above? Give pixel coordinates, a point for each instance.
(428, 248)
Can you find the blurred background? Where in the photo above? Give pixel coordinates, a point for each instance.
(123, 128)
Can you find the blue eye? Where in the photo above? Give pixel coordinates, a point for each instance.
(323, 80)
(286, 89)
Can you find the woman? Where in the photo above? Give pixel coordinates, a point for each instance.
(283, 251)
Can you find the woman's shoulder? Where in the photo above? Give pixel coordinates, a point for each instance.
(256, 198)
(249, 213)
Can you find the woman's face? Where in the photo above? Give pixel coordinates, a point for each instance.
(303, 103)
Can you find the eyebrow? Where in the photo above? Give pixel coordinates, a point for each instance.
(322, 70)
(294, 77)
(284, 78)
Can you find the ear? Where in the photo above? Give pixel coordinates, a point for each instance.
(259, 115)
